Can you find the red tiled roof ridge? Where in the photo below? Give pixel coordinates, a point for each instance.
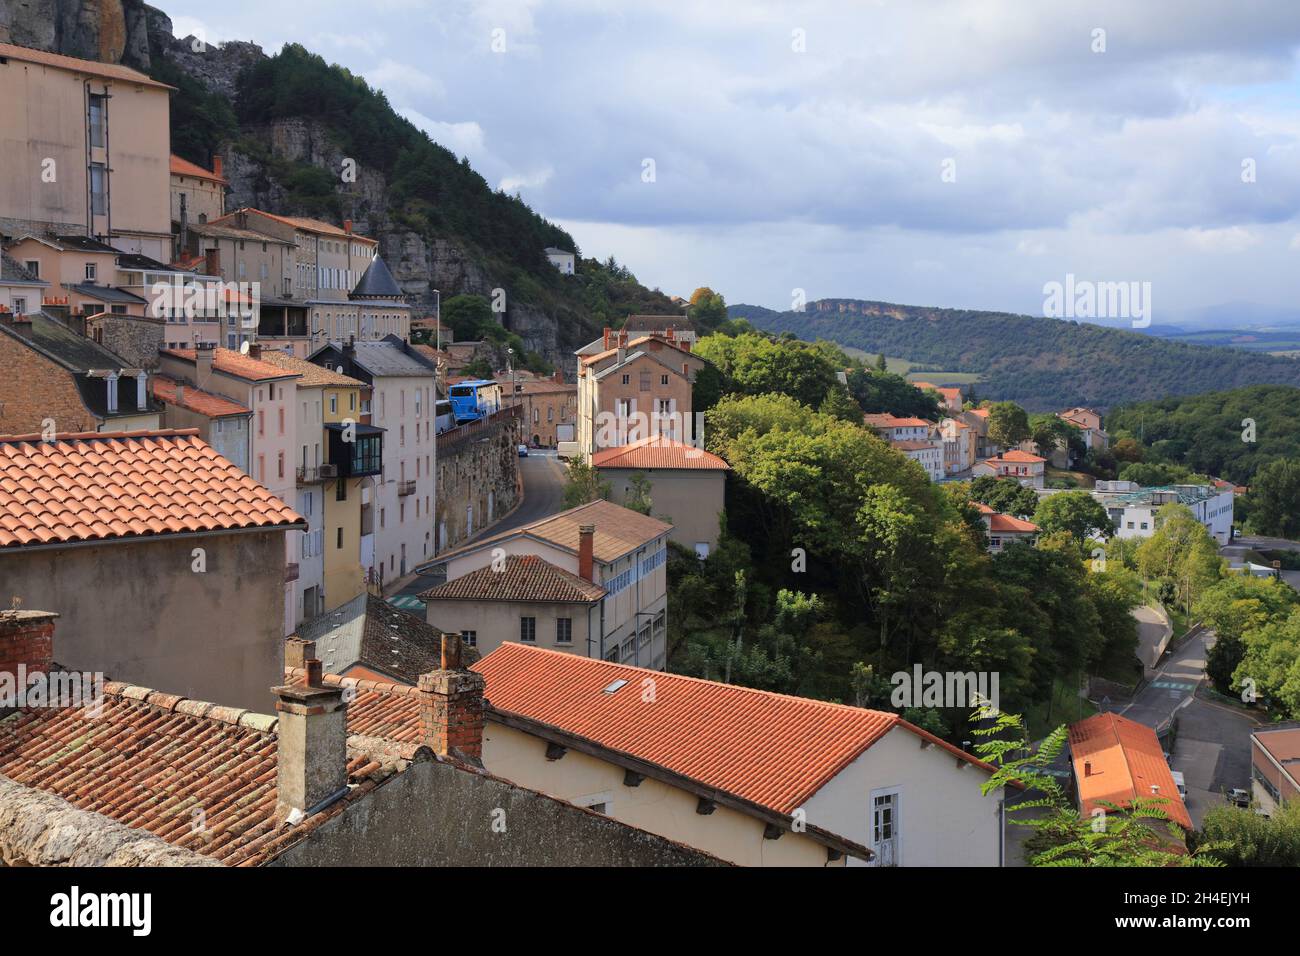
(89, 436)
(176, 703)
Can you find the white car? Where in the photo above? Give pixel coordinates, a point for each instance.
(1179, 783)
(523, 451)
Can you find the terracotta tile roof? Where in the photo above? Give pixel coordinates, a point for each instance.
(198, 775)
(980, 412)
(524, 578)
(886, 420)
(183, 167)
(632, 347)
(109, 71)
(1009, 524)
(112, 486)
(772, 749)
(311, 375)
(304, 223)
(1017, 455)
(619, 531)
(657, 451)
(1117, 760)
(236, 363)
(914, 445)
(195, 399)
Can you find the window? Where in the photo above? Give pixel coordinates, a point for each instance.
(334, 404)
(470, 638)
(34, 267)
(98, 119)
(280, 464)
(645, 381)
(339, 538)
(98, 190)
(528, 630)
(20, 305)
(261, 422)
(663, 379)
(627, 379)
(92, 271)
(564, 630)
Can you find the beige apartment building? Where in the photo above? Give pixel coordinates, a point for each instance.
(631, 389)
(85, 150)
(624, 552)
(198, 195)
(546, 405)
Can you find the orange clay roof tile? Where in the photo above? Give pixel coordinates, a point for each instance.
(125, 484)
(656, 451)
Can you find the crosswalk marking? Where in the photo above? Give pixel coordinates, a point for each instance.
(1172, 685)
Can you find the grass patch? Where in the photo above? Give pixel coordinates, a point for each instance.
(1067, 706)
(893, 364)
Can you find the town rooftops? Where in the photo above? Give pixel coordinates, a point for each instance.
(310, 374)
(207, 404)
(134, 262)
(64, 345)
(886, 420)
(108, 71)
(304, 223)
(524, 578)
(632, 350)
(619, 531)
(234, 363)
(183, 167)
(771, 749)
(658, 451)
(115, 486)
(105, 293)
(657, 323)
(1117, 760)
(387, 357)
(912, 444)
(370, 632)
(150, 760)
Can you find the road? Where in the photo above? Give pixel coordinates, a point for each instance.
(1212, 747)
(543, 479)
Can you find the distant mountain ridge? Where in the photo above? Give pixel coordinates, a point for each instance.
(1039, 362)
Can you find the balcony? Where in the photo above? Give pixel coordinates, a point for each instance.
(314, 474)
(405, 488)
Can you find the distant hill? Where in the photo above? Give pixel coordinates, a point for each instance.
(1039, 362)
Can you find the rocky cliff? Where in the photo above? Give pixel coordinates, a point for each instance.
(257, 157)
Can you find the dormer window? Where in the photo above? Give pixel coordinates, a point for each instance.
(92, 272)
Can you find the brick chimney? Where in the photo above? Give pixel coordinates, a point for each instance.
(27, 641)
(216, 167)
(212, 262)
(347, 226)
(312, 747)
(586, 551)
(451, 705)
(255, 350)
(606, 342)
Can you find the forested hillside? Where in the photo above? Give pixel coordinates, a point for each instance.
(1039, 362)
(1208, 433)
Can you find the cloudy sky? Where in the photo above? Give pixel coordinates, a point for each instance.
(934, 152)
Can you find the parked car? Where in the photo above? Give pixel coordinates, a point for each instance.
(1180, 783)
(523, 451)
(1239, 797)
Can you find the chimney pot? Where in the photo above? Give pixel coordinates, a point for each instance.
(312, 744)
(586, 552)
(1087, 768)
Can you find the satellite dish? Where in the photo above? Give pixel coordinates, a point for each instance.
(243, 347)
(339, 370)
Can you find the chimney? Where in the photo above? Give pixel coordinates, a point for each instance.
(351, 345)
(622, 338)
(212, 262)
(216, 167)
(347, 226)
(203, 356)
(684, 345)
(586, 551)
(451, 705)
(26, 646)
(1087, 768)
(606, 343)
(312, 747)
(255, 350)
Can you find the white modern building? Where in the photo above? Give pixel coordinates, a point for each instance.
(1134, 512)
(562, 259)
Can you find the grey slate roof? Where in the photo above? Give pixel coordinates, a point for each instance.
(12, 271)
(105, 293)
(376, 283)
(371, 632)
(387, 358)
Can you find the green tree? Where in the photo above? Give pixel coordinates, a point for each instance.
(1077, 512)
(637, 496)
(1274, 499)
(882, 364)
(1235, 606)
(1182, 553)
(708, 310)
(1241, 837)
(467, 316)
(757, 365)
(582, 484)
(1272, 664)
(839, 404)
(877, 392)
(1008, 423)
(1006, 495)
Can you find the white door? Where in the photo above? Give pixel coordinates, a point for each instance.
(884, 827)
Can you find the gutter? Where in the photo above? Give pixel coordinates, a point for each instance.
(136, 538)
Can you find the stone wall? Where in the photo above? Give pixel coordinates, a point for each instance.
(137, 340)
(35, 388)
(476, 462)
(438, 814)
